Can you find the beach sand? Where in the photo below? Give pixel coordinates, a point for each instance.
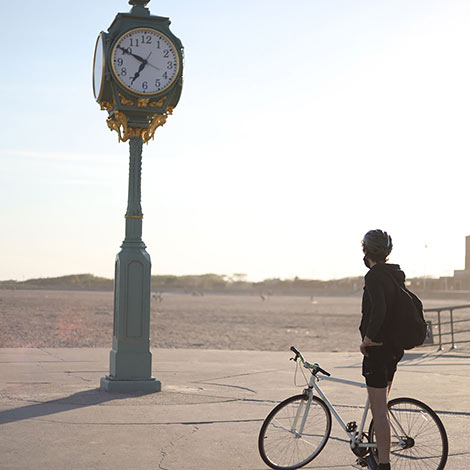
(40, 318)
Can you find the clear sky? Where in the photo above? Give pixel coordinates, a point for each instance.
(301, 126)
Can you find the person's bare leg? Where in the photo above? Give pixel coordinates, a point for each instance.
(378, 398)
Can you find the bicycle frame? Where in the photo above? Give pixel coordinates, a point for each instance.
(355, 436)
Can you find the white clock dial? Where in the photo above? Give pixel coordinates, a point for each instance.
(98, 67)
(145, 61)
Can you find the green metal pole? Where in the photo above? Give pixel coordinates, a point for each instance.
(134, 209)
(130, 356)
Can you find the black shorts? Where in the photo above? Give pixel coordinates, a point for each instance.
(380, 366)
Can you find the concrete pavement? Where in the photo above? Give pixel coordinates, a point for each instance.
(53, 416)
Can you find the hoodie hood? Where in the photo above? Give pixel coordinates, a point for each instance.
(393, 269)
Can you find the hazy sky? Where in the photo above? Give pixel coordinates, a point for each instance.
(301, 126)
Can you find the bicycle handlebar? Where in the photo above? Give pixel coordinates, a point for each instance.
(297, 354)
(315, 368)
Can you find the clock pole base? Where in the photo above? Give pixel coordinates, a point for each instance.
(129, 386)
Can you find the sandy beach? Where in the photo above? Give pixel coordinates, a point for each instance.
(40, 318)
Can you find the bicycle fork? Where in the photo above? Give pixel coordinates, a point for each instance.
(302, 414)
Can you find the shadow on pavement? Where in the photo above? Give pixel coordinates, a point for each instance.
(76, 400)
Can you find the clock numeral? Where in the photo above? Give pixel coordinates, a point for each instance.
(165, 75)
(157, 83)
(123, 72)
(158, 44)
(129, 50)
(120, 62)
(169, 65)
(145, 85)
(146, 39)
(166, 53)
(134, 42)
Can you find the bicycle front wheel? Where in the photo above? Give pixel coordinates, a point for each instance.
(294, 433)
(419, 439)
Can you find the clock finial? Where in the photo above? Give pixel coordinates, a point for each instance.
(139, 2)
(138, 7)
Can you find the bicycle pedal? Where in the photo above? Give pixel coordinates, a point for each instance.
(360, 464)
(368, 462)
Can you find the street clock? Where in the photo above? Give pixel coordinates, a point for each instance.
(137, 79)
(137, 72)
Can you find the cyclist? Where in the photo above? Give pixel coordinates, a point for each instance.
(381, 355)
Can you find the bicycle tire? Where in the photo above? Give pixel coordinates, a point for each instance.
(280, 447)
(424, 444)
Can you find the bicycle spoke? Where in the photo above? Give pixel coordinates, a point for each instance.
(419, 441)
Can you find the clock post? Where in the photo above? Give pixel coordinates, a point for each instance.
(137, 79)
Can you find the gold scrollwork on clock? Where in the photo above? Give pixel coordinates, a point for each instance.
(143, 102)
(106, 105)
(118, 122)
(157, 121)
(125, 101)
(158, 104)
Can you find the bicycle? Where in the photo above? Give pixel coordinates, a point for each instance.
(298, 428)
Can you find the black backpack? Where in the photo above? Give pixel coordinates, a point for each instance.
(407, 324)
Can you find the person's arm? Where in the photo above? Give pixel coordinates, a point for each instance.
(375, 291)
(366, 342)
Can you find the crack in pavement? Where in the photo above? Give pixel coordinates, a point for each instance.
(228, 385)
(53, 355)
(164, 454)
(243, 374)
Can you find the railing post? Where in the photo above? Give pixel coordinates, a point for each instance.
(440, 333)
(452, 329)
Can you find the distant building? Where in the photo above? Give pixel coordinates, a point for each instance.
(461, 279)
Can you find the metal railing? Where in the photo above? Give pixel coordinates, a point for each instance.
(443, 331)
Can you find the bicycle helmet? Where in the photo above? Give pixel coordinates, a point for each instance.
(377, 243)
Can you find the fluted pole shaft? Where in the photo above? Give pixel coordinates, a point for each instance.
(134, 209)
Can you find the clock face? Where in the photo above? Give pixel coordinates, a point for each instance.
(145, 61)
(98, 67)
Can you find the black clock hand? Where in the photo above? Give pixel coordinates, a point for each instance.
(141, 67)
(137, 74)
(125, 51)
(141, 59)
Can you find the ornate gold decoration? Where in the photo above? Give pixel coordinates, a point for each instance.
(158, 104)
(143, 102)
(118, 122)
(106, 105)
(125, 101)
(134, 217)
(135, 132)
(157, 121)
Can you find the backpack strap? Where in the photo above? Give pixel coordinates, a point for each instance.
(393, 278)
(400, 288)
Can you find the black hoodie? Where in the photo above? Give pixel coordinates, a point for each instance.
(377, 300)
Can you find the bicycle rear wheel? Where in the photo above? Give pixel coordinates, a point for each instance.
(280, 443)
(419, 439)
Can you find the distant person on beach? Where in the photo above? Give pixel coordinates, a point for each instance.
(381, 356)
